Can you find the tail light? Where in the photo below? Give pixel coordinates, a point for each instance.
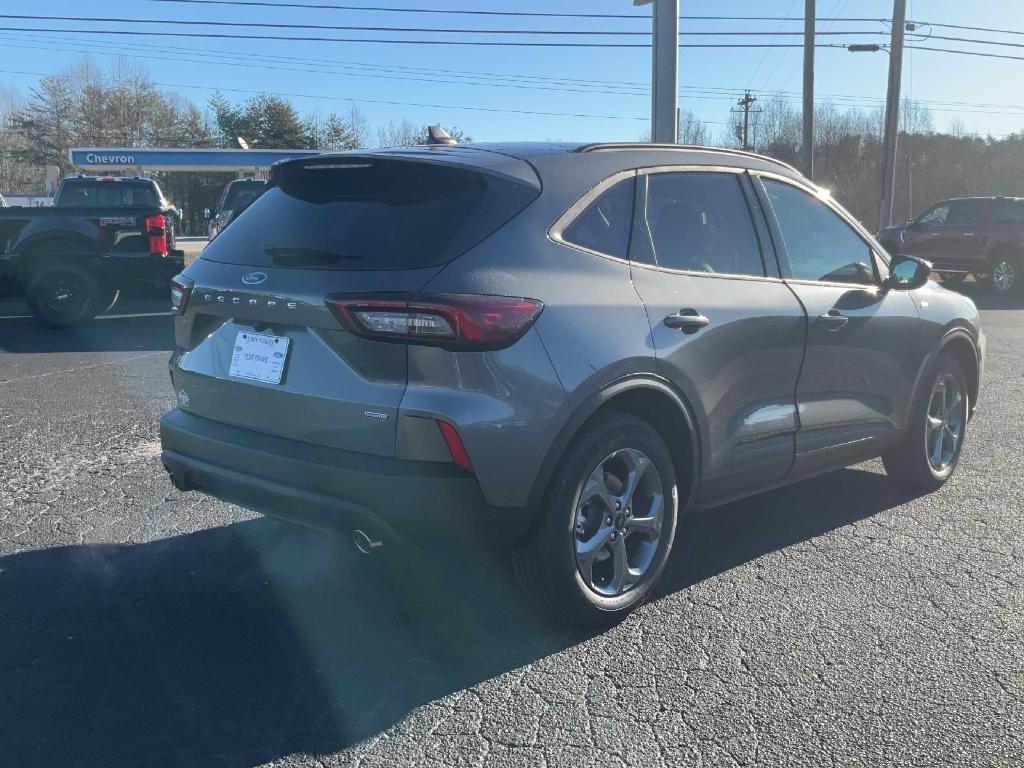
(156, 226)
(181, 290)
(460, 322)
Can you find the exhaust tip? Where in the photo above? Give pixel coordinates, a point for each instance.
(364, 543)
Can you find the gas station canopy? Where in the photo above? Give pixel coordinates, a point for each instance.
(242, 161)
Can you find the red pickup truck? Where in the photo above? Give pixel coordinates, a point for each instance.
(982, 236)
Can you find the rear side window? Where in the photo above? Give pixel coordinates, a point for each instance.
(700, 222)
(1008, 210)
(605, 224)
(355, 213)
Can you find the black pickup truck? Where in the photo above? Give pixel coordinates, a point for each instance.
(100, 236)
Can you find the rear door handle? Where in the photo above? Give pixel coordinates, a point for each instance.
(833, 320)
(687, 320)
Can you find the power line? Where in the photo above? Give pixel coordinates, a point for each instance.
(379, 101)
(970, 28)
(429, 30)
(335, 7)
(517, 14)
(967, 53)
(462, 77)
(312, 39)
(974, 40)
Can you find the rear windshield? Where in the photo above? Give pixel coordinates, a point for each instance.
(370, 214)
(107, 193)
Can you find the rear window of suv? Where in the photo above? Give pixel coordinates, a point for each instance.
(370, 213)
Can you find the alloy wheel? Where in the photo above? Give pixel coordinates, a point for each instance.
(944, 426)
(618, 522)
(65, 297)
(1004, 275)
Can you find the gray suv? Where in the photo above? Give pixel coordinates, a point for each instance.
(559, 347)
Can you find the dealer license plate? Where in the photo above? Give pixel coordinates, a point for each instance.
(259, 357)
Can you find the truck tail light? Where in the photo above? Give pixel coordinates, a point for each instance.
(458, 322)
(181, 290)
(156, 227)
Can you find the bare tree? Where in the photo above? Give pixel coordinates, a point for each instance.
(691, 129)
(403, 134)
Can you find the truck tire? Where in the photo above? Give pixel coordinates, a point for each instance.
(62, 295)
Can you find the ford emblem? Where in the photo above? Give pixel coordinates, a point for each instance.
(255, 278)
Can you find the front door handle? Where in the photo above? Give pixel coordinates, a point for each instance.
(687, 320)
(833, 320)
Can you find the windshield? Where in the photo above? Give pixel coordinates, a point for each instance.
(379, 213)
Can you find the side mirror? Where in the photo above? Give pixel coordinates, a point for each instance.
(907, 273)
(206, 213)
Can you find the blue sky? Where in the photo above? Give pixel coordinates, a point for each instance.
(369, 74)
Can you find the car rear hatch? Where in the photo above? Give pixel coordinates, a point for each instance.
(259, 347)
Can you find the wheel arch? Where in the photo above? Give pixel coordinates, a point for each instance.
(961, 345)
(650, 398)
(38, 252)
(1005, 247)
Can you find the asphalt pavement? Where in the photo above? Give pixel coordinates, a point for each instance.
(835, 622)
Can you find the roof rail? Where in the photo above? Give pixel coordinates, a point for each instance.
(601, 146)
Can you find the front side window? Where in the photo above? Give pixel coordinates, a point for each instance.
(605, 224)
(821, 246)
(933, 216)
(700, 222)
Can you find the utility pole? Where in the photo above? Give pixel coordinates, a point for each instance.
(807, 144)
(665, 71)
(892, 113)
(746, 103)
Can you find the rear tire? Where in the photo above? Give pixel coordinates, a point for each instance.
(929, 454)
(605, 529)
(64, 295)
(1004, 276)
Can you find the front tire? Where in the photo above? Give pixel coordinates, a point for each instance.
(953, 279)
(929, 454)
(605, 529)
(64, 295)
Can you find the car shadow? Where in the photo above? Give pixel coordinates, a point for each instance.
(984, 298)
(245, 643)
(136, 322)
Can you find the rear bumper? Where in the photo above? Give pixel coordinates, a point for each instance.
(328, 488)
